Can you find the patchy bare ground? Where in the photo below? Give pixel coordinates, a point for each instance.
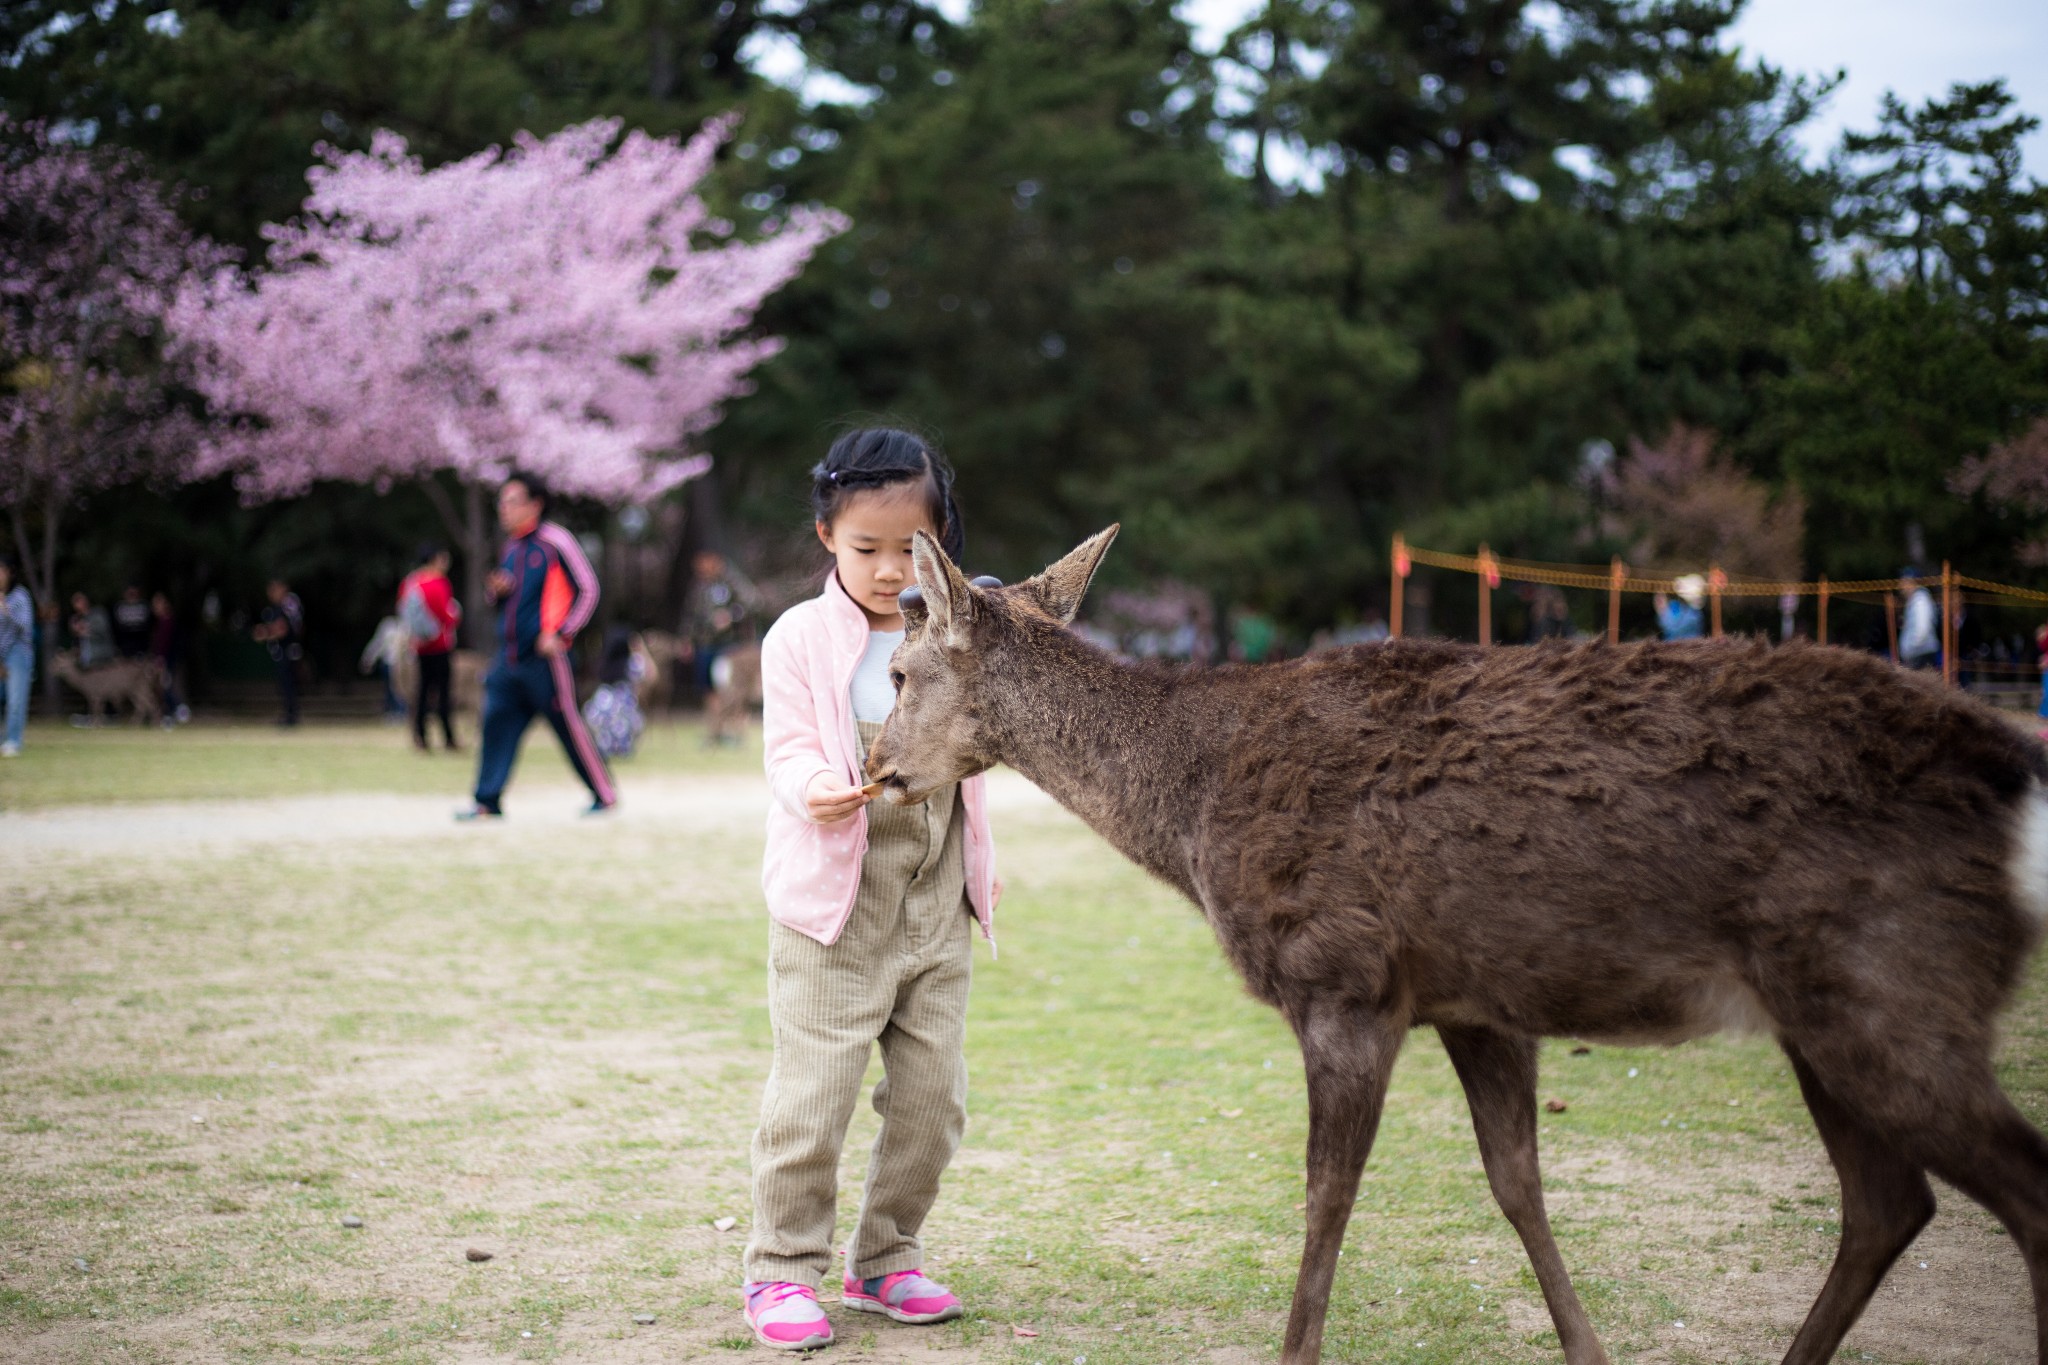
(1959, 1296)
(226, 1025)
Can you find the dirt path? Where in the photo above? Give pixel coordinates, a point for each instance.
(704, 802)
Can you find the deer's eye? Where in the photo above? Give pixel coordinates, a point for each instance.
(896, 678)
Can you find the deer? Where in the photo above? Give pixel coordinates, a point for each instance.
(1638, 843)
(735, 692)
(139, 682)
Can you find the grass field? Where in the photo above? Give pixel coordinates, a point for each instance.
(252, 983)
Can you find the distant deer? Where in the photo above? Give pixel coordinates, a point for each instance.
(1637, 843)
(735, 692)
(139, 682)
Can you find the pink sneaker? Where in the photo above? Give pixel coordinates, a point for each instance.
(786, 1316)
(906, 1296)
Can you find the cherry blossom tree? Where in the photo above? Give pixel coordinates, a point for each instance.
(569, 306)
(92, 254)
(2014, 475)
(1682, 503)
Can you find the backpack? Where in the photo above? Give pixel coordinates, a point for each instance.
(420, 621)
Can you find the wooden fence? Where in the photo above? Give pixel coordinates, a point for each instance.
(1491, 571)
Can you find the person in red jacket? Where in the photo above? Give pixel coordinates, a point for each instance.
(427, 607)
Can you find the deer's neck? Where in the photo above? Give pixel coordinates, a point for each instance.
(1127, 749)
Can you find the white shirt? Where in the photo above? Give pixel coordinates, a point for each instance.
(1918, 639)
(874, 696)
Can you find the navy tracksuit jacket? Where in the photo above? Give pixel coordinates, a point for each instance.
(553, 589)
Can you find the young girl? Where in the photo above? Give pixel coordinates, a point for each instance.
(871, 906)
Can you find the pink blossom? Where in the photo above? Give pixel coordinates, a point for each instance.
(91, 255)
(2013, 474)
(568, 306)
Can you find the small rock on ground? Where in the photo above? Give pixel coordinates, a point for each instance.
(349, 1220)
(644, 1319)
(478, 1254)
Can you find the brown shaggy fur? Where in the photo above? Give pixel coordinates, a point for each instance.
(1641, 843)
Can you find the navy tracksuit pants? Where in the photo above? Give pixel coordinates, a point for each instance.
(514, 693)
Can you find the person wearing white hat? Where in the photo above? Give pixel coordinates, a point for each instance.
(1680, 618)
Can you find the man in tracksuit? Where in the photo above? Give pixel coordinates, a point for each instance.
(546, 591)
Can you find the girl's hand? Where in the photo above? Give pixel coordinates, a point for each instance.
(829, 801)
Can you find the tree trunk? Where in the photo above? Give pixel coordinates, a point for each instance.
(469, 530)
(477, 547)
(53, 511)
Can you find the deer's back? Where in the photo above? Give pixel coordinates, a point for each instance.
(1618, 841)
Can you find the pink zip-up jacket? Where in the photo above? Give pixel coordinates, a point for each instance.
(812, 871)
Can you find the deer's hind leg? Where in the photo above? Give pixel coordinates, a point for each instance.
(1498, 1071)
(1348, 1053)
(1885, 1203)
(2000, 1160)
(1938, 1107)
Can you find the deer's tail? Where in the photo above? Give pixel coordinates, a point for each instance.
(2028, 866)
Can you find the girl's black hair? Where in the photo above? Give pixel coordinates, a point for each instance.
(880, 457)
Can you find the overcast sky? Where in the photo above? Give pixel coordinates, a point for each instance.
(1917, 48)
(1912, 47)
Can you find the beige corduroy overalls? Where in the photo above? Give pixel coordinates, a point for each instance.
(898, 975)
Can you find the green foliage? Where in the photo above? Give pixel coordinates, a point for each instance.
(1520, 233)
(231, 98)
(1013, 283)
(1930, 347)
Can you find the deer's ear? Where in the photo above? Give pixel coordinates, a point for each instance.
(948, 600)
(1060, 588)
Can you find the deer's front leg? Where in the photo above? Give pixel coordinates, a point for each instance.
(1348, 1052)
(1498, 1071)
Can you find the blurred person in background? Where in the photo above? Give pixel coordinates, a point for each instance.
(17, 655)
(1920, 629)
(613, 711)
(132, 624)
(282, 630)
(167, 643)
(427, 606)
(1679, 617)
(1550, 616)
(381, 656)
(715, 617)
(2041, 660)
(546, 591)
(91, 635)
